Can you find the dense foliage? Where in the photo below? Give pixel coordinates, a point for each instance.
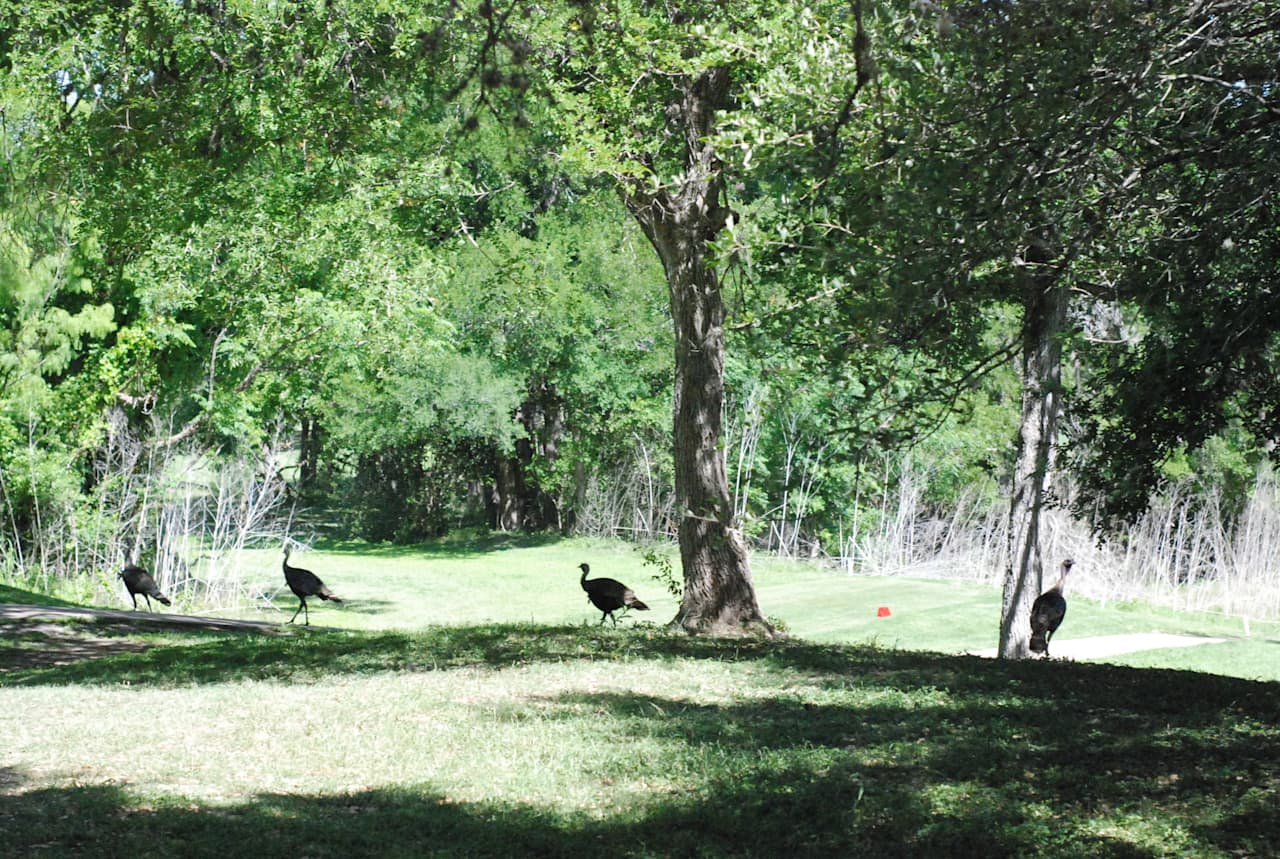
(397, 261)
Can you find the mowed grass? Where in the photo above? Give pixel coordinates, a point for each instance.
(465, 703)
(515, 580)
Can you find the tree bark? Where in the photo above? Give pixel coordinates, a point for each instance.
(542, 415)
(1044, 320)
(681, 219)
(309, 450)
(505, 510)
(520, 500)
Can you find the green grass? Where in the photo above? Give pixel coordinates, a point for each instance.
(515, 580)
(506, 740)
(534, 580)
(518, 579)
(465, 703)
(496, 580)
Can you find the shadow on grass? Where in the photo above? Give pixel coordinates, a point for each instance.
(316, 653)
(1036, 775)
(25, 597)
(366, 605)
(789, 812)
(464, 544)
(282, 607)
(858, 752)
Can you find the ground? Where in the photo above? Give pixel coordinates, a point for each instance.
(1102, 646)
(40, 636)
(43, 637)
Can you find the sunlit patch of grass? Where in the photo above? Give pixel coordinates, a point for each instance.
(534, 580)
(1145, 828)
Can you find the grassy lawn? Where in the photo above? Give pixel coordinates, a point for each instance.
(507, 580)
(465, 703)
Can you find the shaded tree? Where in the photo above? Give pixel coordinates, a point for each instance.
(1061, 139)
(569, 304)
(1020, 155)
(1199, 264)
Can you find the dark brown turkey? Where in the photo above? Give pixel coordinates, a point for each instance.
(305, 583)
(139, 581)
(1047, 612)
(609, 595)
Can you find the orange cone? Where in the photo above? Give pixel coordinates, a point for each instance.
(883, 611)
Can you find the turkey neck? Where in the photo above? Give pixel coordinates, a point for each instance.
(1062, 580)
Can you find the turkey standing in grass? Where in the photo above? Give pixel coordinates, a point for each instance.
(1047, 612)
(139, 581)
(609, 595)
(305, 583)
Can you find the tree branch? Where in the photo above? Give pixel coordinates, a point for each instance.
(192, 426)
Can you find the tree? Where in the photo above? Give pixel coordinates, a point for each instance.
(1061, 135)
(1010, 164)
(263, 236)
(243, 133)
(1199, 262)
(681, 221)
(1028, 113)
(51, 322)
(648, 88)
(1044, 321)
(570, 304)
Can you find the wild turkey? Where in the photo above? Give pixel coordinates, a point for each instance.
(305, 583)
(1047, 612)
(139, 581)
(609, 595)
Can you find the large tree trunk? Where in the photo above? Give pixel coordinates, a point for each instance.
(681, 220)
(1044, 319)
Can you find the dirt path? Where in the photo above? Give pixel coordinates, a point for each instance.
(13, 612)
(1102, 646)
(38, 636)
(10, 613)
